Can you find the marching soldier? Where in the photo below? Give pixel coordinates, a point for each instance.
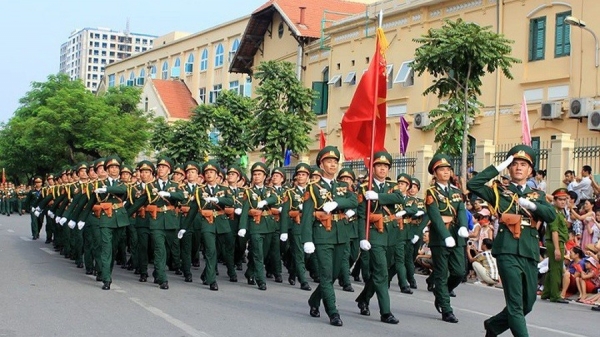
(418, 223)
(323, 222)
(235, 181)
(351, 253)
(33, 198)
(446, 211)
(274, 258)
(516, 246)
(192, 169)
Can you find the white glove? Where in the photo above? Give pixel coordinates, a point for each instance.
(80, 224)
(180, 233)
(426, 229)
(32, 209)
(238, 211)
(283, 237)
(309, 247)
(400, 214)
(329, 206)
(350, 213)
(36, 213)
(261, 204)
(63, 221)
(211, 199)
(72, 224)
(371, 195)
(300, 206)
(450, 242)
(280, 209)
(38, 209)
(463, 232)
(502, 166)
(51, 214)
(100, 190)
(164, 194)
(414, 239)
(364, 245)
(419, 213)
(530, 205)
(242, 233)
(57, 219)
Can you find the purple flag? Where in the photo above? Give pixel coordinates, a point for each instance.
(403, 135)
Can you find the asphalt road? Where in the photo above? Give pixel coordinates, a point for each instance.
(43, 294)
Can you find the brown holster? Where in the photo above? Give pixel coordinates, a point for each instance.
(295, 216)
(105, 207)
(185, 210)
(97, 210)
(513, 223)
(448, 220)
(324, 219)
(256, 214)
(153, 210)
(377, 221)
(209, 215)
(230, 212)
(142, 212)
(276, 214)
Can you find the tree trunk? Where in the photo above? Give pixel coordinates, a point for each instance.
(465, 140)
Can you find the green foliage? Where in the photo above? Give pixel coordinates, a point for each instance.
(181, 141)
(283, 118)
(60, 122)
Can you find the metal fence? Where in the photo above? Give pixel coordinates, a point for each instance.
(542, 152)
(456, 162)
(400, 164)
(586, 152)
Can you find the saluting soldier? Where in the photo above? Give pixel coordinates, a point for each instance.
(291, 215)
(324, 230)
(516, 246)
(352, 248)
(192, 169)
(380, 242)
(33, 198)
(446, 211)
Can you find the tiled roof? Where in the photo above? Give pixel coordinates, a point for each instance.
(176, 97)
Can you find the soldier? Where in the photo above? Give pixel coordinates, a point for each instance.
(33, 198)
(290, 225)
(351, 253)
(256, 218)
(77, 191)
(129, 238)
(235, 181)
(380, 240)
(418, 224)
(21, 195)
(274, 258)
(446, 211)
(323, 230)
(189, 191)
(516, 247)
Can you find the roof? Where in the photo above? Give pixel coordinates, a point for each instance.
(290, 10)
(176, 97)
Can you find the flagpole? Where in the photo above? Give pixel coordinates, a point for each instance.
(371, 154)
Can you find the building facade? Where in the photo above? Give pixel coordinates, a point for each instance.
(88, 51)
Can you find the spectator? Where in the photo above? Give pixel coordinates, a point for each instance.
(540, 179)
(531, 182)
(484, 264)
(583, 185)
(586, 216)
(572, 242)
(575, 265)
(424, 256)
(589, 280)
(573, 222)
(569, 180)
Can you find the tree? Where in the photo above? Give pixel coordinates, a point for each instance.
(458, 55)
(60, 122)
(284, 118)
(182, 141)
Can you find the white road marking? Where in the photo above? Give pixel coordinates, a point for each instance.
(172, 320)
(10, 231)
(49, 251)
(24, 238)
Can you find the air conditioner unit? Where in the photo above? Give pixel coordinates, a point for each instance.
(551, 110)
(594, 120)
(580, 107)
(421, 120)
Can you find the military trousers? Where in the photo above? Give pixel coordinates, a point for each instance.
(554, 276)
(110, 239)
(186, 252)
(298, 257)
(519, 282)
(260, 245)
(329, 260)
(448, 271)
(163, 238)
(378, 280)
(398, 266)
(143, 235)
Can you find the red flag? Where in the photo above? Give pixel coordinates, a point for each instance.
(525, 123)
(368, 107)
(322, 141)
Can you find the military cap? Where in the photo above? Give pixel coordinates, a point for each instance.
(560, 193)
(145, 165)
(328, 152)
(278, 170)
(258, 166)
(192, 165)
(99, 162)
(112, 160)
(405, 178)
(244, 177)
(164, 161)
(382, 157)
(439, 160)
(127, 169)
(211, 165)
(50, 176)
(179, 169)
(416, 182)
(81, 166)
(302, 167)
(317, 171)
(37, 179)
(90, 166)
(346, 172)
(523, 152)
(235, 169)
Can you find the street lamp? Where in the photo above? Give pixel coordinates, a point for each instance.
(573, 21)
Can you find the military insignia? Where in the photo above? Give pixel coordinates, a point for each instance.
(409, 202)
(220, 194)
(441, 197)
(171, 189)
(306, 196)
(241, 195)
(429, 200)
(533, 196)
(204, 195)
(298, 197)
(254, 196)
(138, 194)
(186, 194)
(323, 193)
(507, 192)
(154, 190)
(456, 197)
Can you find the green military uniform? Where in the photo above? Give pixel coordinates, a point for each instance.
(273, 261)
(324, 228)
(260, 225)
(33, 198)
(291, 215)
(418, 224)
(381, 240)
(556, 268)
(209, 205)
(517, 256)
(78, 192)
(189, 192)
(237, 194)
(447, 213)
(352, 248)
(21, 195)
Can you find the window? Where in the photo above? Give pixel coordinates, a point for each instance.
(219, 55)
(405, 74)
(153, 72)
(234, 86)
(122, 80)
(389, 72)
(562, 43)
(537, 38)
(111, 80)
(175, 71)
(336, 80)
(189, 66)
(248, 87)
(280, 30)
(142, 77)
(131, 80)
(351, 78)
(234, 48)
(319, 104)
(204, 60)
(202, 95)
(214, 94)
(165, 70)
(213, 136)
(396, 110)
